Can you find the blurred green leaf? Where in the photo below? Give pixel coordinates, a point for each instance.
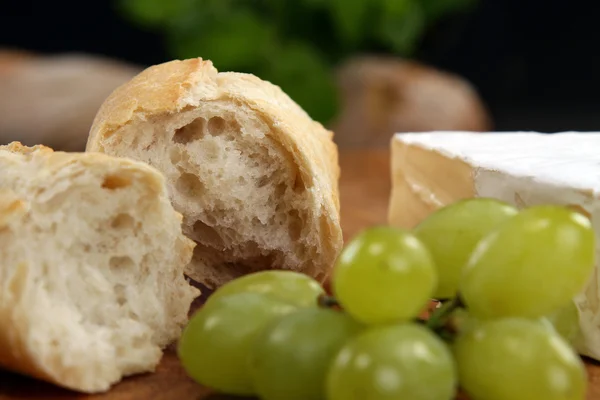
(240, 41)
(304, 75)
(397, 8)
(314, 3)
(402, 25)
(293, 43)
(349, 17)
(153, 12)
(436, 9)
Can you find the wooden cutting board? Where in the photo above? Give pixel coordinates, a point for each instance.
(365, 187)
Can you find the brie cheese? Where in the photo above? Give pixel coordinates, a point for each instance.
(430, 170)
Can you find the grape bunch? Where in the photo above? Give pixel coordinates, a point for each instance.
(503, 279)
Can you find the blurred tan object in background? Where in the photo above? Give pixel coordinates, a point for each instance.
(10, 59)
(382, 95)
(52, 100)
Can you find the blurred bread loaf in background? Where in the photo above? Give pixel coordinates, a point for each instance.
(52, 99)
(92, 258)
(386, 95)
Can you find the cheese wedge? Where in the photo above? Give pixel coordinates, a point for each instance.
(431, 170)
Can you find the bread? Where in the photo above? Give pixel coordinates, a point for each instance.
(52, 99)
(91, 267)
(255, 178)
(383, 95)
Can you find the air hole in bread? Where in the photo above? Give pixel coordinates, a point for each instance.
(255, 222)
(191, 132)
(189, 185)
(254, 264)
(251, 246)
(280, 190)
(302, 251)
(112, 182)
(122, 221)
(207, 234)
(294, 225)
(299, 185)
(210, 219)
(120, 294)
(263, 181)
(134, 316)
(217, 126)
(121, 263)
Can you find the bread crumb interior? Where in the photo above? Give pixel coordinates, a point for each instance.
(243, 197)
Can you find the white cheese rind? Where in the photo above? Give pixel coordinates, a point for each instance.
(526, 169)
(555, 158)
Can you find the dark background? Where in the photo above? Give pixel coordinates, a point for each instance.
(535, 63)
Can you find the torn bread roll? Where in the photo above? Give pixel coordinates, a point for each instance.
(255, 178)
(91, 267)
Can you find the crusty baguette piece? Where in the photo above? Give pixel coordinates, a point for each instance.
(255, 178)
(91, 267)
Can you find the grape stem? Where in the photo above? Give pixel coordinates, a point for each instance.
(328, 302)
(439, 318)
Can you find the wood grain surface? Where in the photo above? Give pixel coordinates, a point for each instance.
(365, 187)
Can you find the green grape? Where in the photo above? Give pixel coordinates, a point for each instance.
(531, 265)
(452, 233)
(291, 357)
(565, 321)
(518, 359)
(384, 275)
(216, 343)
(462, 321)
(292, 287)
(392, 362)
